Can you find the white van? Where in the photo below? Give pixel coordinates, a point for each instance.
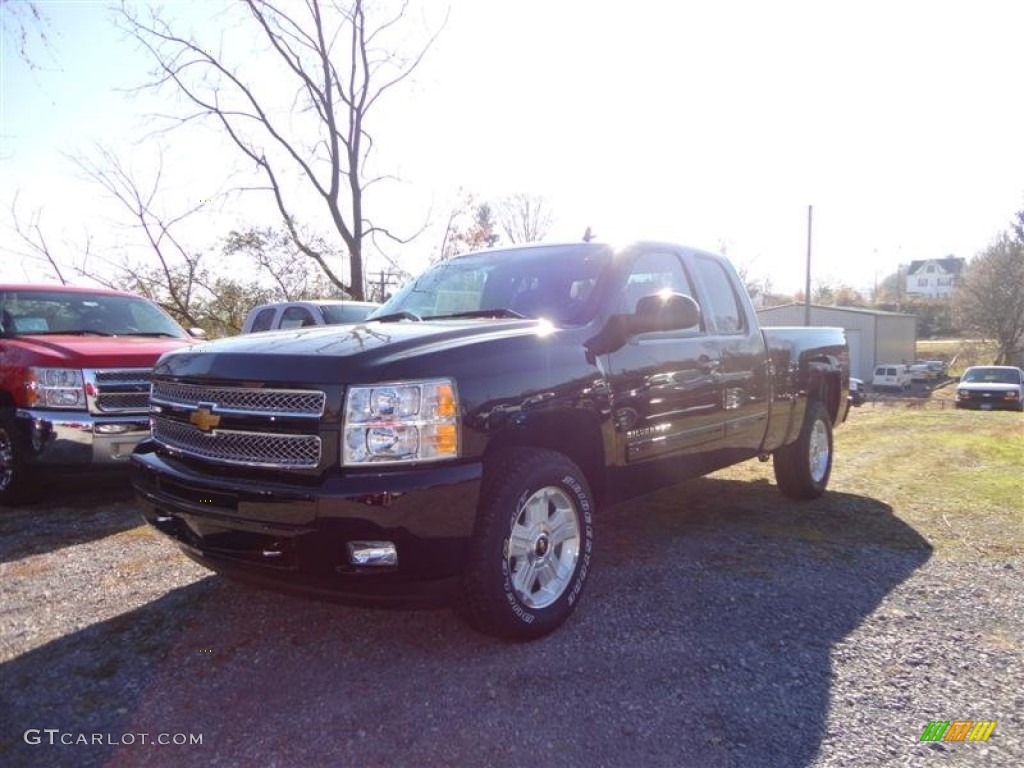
(891, 376)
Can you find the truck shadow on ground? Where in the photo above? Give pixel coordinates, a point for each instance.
(69, 510)
(705, 639)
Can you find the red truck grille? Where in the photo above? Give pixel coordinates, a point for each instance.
(120, 390)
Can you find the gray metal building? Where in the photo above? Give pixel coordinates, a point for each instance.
(874, 337)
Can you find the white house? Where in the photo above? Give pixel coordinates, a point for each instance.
(934, 278)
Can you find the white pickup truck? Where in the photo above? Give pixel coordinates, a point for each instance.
(286, 315)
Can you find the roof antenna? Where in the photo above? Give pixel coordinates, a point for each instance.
(587, 235)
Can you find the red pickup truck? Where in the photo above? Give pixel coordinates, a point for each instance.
(74, 378)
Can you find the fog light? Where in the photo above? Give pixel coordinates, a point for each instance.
(376, 553)
(113, 429)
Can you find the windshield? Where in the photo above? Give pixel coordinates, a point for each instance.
(338, 314)
(34, 312)
(554, 282)
(993, 375)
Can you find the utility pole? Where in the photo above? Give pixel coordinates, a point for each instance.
(807, 288)
(381, 284)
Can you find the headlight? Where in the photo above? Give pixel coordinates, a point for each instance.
(55, 388)
(400, 423)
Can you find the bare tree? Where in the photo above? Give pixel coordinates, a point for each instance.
(339, 67)
(194, 289)
(177, 275)
(34, 244)
(989, 298)
(276, 255)
(524, 218)
(470, 227)
(1017, 225)
(21, 22)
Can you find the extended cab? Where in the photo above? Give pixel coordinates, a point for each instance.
(74, 378)
(286, 315)
(468, 432)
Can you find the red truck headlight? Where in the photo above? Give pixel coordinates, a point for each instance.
(54, 388)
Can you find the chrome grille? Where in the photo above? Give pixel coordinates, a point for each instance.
(251, 449)
(122, 376)
(120, 402)
(241, 400)
(117, 390)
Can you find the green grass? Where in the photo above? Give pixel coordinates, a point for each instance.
(959, 353)
(954, 478)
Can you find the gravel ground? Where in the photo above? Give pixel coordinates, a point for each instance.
(721, 627)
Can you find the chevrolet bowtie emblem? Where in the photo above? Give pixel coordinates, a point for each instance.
(204, 418)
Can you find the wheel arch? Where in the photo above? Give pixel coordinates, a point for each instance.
(576, 435)
(825, 385)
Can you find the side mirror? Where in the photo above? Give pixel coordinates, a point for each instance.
(197, 333)
(664, 312)
(657, 312)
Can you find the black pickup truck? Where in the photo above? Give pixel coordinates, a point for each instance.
(467, 433)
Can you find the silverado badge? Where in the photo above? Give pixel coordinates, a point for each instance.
(204, 418)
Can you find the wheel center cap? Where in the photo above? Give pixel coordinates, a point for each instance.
(542, 545)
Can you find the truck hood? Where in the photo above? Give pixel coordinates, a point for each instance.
(90, 351)
(337, 353)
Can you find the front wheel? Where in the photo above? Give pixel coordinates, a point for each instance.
(532, 545)
(14, 485)
(802, 468)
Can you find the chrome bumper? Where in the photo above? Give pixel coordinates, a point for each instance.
(77, 438)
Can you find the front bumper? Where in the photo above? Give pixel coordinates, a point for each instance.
(295, 537)
(73, 438)
(988, 401)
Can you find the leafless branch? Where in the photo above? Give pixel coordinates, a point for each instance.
(33, 239)
(303, 39)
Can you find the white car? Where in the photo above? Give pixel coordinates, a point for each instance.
(891, 376)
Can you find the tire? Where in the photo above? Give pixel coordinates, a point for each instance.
(532, 546)
(14, 486)
(802, 468)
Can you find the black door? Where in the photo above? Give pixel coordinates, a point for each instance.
(665, 390)
(743, 374)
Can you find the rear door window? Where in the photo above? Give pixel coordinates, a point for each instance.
(296, 317)
(720, 303)
(263, 321)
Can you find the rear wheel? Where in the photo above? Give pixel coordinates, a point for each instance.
(14, 485)
(802, 468)
(532, 545)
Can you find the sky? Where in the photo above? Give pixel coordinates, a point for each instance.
(715, 125)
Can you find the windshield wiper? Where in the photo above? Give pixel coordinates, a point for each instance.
(152, 334)
(495, 312)
(402, 314)
(76, 332)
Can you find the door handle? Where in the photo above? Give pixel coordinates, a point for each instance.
(706, 365)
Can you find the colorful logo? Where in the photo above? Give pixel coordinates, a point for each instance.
(204, 418)
(958, 730)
